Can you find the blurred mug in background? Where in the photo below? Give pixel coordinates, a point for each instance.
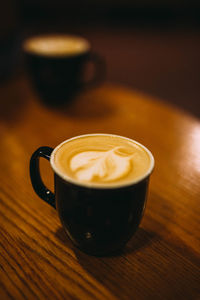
(56, 64)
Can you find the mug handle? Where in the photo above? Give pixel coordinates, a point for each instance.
(41, 190)
(99, 70)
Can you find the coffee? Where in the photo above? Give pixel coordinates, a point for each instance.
(57, 64)
(101, 183)
(102, 160)
(56, 45)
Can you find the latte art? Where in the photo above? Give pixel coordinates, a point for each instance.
(100, 160)
(102, 166)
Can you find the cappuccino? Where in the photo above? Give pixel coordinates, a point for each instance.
(101, 183)
(102, 160)
(56, 45)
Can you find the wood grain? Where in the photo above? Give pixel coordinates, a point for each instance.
(37, 261)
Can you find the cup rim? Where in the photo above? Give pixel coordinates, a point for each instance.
(101, 186)
(57, 56)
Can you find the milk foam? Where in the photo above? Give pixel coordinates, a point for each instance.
(102, 166)
(56, 45)
(101, 160)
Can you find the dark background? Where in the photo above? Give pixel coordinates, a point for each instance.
(152, 46)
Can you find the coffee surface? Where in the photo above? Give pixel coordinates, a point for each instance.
(56, 45)
(102, 160)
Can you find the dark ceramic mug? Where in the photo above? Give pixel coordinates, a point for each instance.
(101, 220)
(57, 77)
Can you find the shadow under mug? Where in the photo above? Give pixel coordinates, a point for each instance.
(59, 77)
(99, 221)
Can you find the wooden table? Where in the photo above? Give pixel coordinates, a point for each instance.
(37, 261)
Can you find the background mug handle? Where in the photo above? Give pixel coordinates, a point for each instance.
(41, 190)
(99, 70)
